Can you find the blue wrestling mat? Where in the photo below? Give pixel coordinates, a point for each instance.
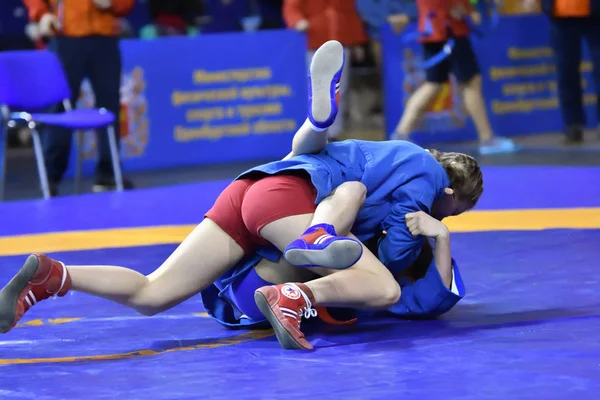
(527, 329)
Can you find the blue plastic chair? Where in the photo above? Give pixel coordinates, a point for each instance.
(35, 80)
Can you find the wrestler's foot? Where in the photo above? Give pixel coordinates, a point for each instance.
(323, 84)
(320, 246)
(284, 306)
(40, 278)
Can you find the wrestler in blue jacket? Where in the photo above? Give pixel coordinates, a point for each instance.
(400, 178)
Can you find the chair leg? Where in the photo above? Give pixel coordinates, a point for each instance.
(79, 145)
(39, 157)
(116, 159)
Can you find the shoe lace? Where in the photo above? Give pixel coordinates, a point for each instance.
(307, 311)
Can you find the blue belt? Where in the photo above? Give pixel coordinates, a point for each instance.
(426, 32)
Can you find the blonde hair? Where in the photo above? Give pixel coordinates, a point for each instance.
(465, 175)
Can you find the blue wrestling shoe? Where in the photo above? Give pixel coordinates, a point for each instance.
(324, 84)
(320, 246)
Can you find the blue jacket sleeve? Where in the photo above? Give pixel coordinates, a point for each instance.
(428, 296)
(399, 249)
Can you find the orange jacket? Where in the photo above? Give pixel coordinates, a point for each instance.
(81, 17)
(328, 20)
(572, 8)
(441, 20)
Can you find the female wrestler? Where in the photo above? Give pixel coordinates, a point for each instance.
(274, 204)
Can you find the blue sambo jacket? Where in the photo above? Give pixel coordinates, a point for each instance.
(400, 177)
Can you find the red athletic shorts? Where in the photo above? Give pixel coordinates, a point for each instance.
(248, 204)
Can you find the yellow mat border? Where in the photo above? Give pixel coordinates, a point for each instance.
(476, 221)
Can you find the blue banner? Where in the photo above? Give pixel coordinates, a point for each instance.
(207, 99)
(519, 84)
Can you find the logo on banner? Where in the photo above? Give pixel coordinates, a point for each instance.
(446, 111)
(133, 118)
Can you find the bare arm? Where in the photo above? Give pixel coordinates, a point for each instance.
(422, 224)
(443, 257)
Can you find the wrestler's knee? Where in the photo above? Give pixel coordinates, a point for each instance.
(389, 293)
(354, 192)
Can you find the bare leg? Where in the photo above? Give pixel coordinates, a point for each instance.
(415, 107)
(475, 105)
(282, 271)
(334, 289)
(207, 253)
(341, 207)
(321, 244)
(367, 284)
(308, 140)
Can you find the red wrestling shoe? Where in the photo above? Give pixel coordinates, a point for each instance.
(39, 279)
(284, 306)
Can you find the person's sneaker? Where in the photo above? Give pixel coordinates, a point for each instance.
(497, 145)
(320, 246)
(324, 83)
(284, 306)
(39, 279)
(573, 136)
(53, 186)
(105, 184)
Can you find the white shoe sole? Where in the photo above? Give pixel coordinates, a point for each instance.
(340, 254)
(326, 63)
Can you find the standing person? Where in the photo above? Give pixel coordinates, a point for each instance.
(570, 22)
(449, 21)
(376, 13)
(325, 20)
(85, 36)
